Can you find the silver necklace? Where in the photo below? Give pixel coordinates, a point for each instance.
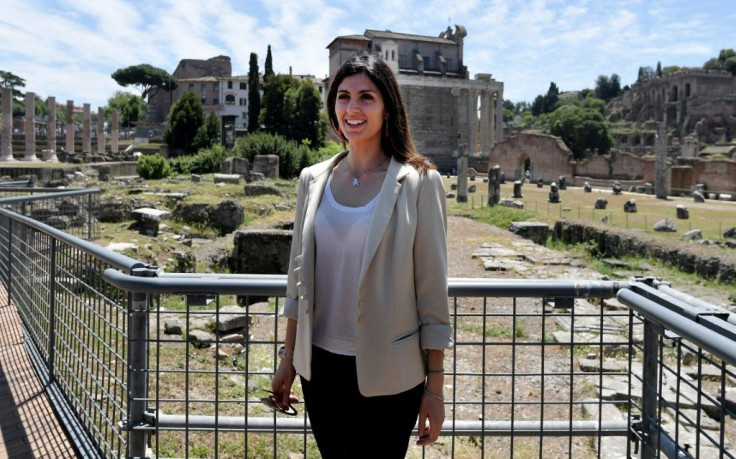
(356, 177)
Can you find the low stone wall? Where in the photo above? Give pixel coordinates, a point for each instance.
(707, 262)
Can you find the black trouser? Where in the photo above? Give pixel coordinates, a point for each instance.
(346, 424)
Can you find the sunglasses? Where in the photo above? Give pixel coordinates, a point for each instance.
(270, 402)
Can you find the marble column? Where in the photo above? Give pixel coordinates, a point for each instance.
(86, 138)
(491, 123)
(472, 120)
(114, 130)
(660, 164)
(6, 146)
(462, 173)
(485, 124)
(51, 129)
(499, 117)
(100, 131)
(30, 153)
(70, 126)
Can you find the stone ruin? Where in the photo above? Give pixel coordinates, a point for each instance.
(554, 194)
(494, 185)
(517, 189)
(53, 153)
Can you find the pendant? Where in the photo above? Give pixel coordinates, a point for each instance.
(356, 181)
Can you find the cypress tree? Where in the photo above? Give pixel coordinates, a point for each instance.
(268, 68)
(254, 95)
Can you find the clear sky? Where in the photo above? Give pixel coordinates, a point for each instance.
(69, 48)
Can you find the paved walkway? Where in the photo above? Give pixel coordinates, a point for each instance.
(28, 426)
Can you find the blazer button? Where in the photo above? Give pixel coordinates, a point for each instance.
(361, 304)
(361, 320)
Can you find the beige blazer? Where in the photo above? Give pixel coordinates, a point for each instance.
(402, 293)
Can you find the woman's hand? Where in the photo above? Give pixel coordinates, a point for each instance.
(282, 382)
(431, 417)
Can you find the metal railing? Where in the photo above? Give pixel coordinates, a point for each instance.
(152, 364)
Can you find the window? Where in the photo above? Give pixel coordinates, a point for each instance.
(229, 85)
(215, 101)
(243, 85)
(244, 115)
(229, 99)
(203, 88)
(403, 61)
(393, 55)
(191, 86)
(242, 102)
(216, 86)
(204, 102)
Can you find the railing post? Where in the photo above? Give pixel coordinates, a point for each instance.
(9, 286)
(52, 310)
(89, 217)
(650, 424)
(138, 366)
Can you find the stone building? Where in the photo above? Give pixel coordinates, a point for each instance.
(695, 102)
(446, 107)
(219, 90)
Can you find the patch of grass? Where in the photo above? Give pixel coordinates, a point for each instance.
(494, 330)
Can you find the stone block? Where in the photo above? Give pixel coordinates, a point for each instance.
(231, 318)
(665, 226)
(682, 212)
(534, 231)
(692, 235)
(698, 196)
(235, 165)
(601, 203)
(730, 232)
(630, 206)
(228, 178)
(268, 165)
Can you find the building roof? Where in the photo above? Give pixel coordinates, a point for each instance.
(349, 37)
(387, 34)
(716, 149)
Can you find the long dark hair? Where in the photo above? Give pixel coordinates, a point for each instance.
(398, 143)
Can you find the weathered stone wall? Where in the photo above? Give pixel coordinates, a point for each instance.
(261, 251)
(433, 126)
(596, 167)
(717, 175)
(682, 178)
(626, 166)
(707, 262)
(549, 157)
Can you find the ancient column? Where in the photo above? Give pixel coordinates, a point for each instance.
(86, 138)
(494, 185)
(491, 124)
(6, 146)
(660, 177)
(69, 126)
(114, 130)
(100, 131)
(30, 153)
(498, 137)
(485, 124)
(462, 173)
(51, 130)
(472, 120)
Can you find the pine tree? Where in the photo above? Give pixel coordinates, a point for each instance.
(268, 68)
(659, 69)
(254, 95)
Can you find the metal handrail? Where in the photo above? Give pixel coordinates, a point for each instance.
(275, 284)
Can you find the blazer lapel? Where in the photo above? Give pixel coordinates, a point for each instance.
(383, 211)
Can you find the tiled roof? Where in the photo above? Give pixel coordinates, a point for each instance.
(387, 34)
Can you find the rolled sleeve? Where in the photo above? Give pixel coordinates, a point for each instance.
(430, 264)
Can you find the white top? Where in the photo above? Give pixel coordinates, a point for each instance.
(340, 235)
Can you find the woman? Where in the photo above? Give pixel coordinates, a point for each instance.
(366, 301)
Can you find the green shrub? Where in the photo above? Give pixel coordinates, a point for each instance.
(153, 167)
(262, 143)
(207, 161)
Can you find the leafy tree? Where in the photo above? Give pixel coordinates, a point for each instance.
(273, 111)
(538, 105)
(254, 95)
(208, 134)
(607, 88)
(146, 78)
(581, 129)
(185, 118)
(268, 67)
(302, 106)
(726, 60)
(659, 69)
(131, 108)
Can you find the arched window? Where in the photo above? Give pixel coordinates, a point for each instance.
(229, 99)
